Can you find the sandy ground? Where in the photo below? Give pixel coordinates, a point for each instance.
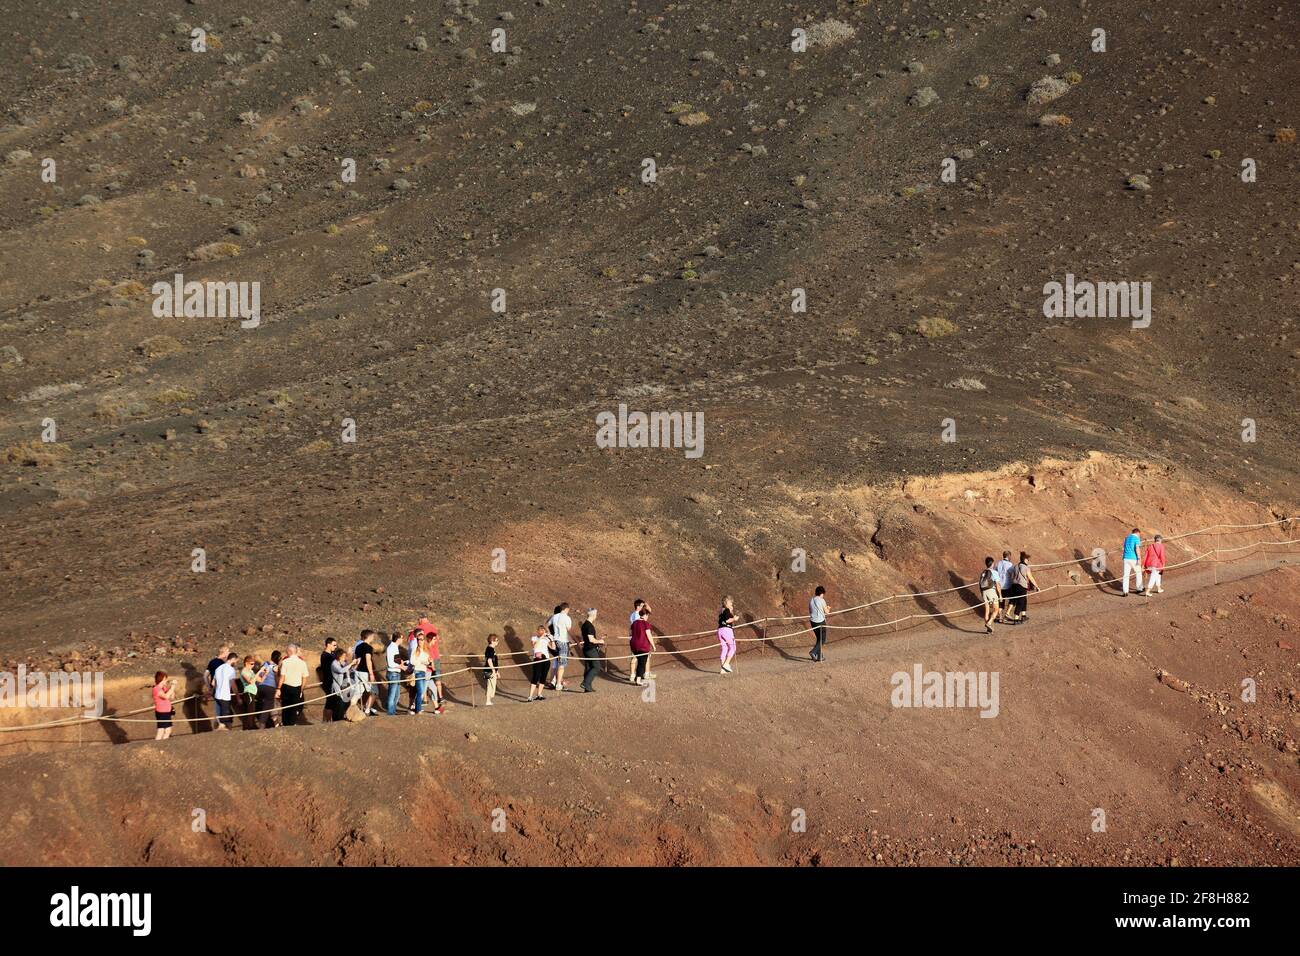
(1132, 709)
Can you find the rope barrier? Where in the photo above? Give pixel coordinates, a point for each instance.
(127, 717)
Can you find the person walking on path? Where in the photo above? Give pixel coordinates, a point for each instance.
(209, 680)
(591, 651)
(726, 636)
(990, 593)
(817, 611)
(420, 668)
(1022, 582)
(164, 691)
(542, 644)
(1131, 565)
(225, 690)
(560, 625)
(248, 692)
(433, 644)
(267, 678)
(631, 623)
(1153, 560)
(346, 686)
(491, 668)
(293, 682)
(642, 644)
(1004, 569)
(364, 654)
(393, 667)
(326, 673)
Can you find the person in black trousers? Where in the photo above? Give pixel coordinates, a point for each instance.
(326, 673)
(592, 655)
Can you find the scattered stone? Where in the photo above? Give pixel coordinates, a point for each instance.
(829, 33)
(1138, 182)
(925, 96)
(1046, 89)
(1169, 680)
(698, 118)
(980, 81)
(934, 327)
(213, 251)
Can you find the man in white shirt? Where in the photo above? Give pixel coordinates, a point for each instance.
(222, 683)
(817, 610)
(393, 673)
(559, 625)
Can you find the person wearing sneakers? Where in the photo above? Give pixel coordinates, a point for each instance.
(491, 669)
(642, 644)
(1131, 565)
(393, 674)
(420, 667)
(364, 654)
(542, 644)
(433, 644)
(726, 636)
(817, 611)
(560, 625)
(1153, 559)
(631, 623)
(1004, 569)
(1022, 582)
(591, 651)
(990, 593)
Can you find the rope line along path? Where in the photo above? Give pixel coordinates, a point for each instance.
(760, 623)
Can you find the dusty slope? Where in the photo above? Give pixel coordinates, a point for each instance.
(192, 433)
(711, 770)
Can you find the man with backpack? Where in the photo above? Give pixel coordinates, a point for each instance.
(990, 593)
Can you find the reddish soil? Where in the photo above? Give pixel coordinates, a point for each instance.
(823, 430)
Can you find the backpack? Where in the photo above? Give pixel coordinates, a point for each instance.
(986, 579)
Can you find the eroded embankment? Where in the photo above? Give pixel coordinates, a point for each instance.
(863, 544)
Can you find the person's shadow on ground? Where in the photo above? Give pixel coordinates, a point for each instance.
(193, 708)
(679, 654)
(771, 639)
(928, 607)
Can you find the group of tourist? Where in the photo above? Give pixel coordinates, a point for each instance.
(1005, 585)
(270, 693)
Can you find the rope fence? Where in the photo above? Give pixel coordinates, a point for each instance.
(761, 624)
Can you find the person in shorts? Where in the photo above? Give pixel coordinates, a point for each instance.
(164, 689)
(364, 654)
(990, 593)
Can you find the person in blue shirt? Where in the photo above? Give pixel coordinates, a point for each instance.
(1131, 563)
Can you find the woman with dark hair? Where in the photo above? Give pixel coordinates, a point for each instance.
(1022, 582)
(347, 687)
(164, 689)
(641, 644)
(266, 681)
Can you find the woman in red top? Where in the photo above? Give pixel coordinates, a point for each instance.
(642, 644)
(164, 689)
(1153, 562)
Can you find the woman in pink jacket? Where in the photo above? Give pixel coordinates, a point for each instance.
(1153, 562)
